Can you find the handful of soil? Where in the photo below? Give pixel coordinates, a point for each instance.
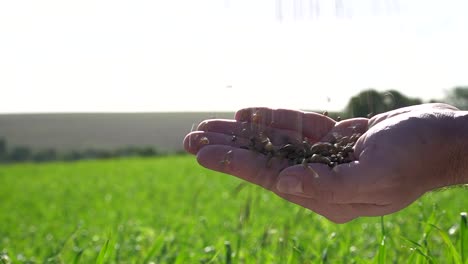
(331, 153)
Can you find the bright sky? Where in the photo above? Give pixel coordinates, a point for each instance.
(221, 55)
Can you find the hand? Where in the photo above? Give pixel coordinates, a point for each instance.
(398, 158)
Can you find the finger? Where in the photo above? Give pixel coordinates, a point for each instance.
(246, 130)
(347, 127)
(314, 126)
(244, 164)
(345, 183)
(194, 141)
(222, 125)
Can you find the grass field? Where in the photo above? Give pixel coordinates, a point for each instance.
(170, 210)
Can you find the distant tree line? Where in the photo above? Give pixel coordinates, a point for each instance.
(24, 154)
(365, 104)
(371, 102)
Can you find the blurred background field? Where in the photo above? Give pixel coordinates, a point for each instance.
(170, 210)
(103, 131)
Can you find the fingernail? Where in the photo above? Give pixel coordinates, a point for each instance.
(290, 185)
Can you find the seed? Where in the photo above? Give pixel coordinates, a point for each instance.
(348, 149)
(321, 147)
(355, 136)
(298, 160)
(288, 148)
(256, 117)
(338, 118)
(300, 152)
(204, 141)
(347, 160)
(332, 152)
(227, 158)
(268, 146)
(344, 140)
(325, 113)
(319, 159)
(263, 139)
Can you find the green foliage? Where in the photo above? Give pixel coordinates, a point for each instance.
(382, 248)
(371, 102)
(19, 153)
(72, 155)
(3, 147)
(171, 210)
(464, 237)
(458, 97)
(45, 155)
(103, 253)
(25, 154)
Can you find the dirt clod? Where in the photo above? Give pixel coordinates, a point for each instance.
(332, 153)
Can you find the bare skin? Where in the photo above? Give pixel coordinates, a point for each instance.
(401, 155)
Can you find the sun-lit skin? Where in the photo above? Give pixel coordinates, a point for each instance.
(401, 155)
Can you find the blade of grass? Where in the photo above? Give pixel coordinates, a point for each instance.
(214, 258)
(78, 255)
(228, 260)
(325, 255)
(428, 258)
(430, 220)
(423, 249)
(413, 242)
(419, 250)
(453, 250)
(156, 245)
(382, 248)
(102, 253)
(463, 237)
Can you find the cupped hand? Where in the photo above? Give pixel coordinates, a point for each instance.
(399, 157)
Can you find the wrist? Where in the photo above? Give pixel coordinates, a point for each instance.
(460, 148)
(448, 163)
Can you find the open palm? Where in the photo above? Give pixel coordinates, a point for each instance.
(396, 158)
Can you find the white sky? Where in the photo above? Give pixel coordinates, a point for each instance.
(221, 55)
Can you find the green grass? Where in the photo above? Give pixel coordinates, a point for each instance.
(170, 210)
